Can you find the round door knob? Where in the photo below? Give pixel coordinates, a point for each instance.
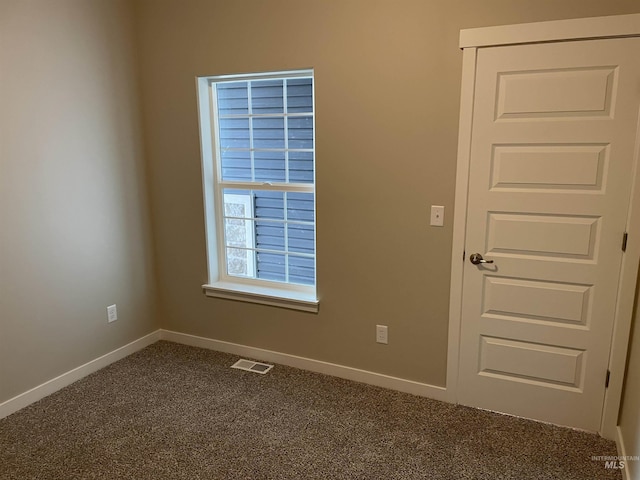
(477, 259)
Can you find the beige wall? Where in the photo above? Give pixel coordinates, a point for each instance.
(74, 222)
(387, 99)
(75, 229)
(629, 419)
(75, 232)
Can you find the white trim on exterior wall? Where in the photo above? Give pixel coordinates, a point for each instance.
(335, 370)
(561, 30)
(51, 386)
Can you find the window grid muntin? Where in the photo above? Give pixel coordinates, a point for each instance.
(286, 235)
(285, 115)
(285, 121)
(275, 252)
(285, 109)
(285, 188)
(251, 149)
(285, 222)
(273, 220)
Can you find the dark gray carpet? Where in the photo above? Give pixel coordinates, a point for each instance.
(177, 412)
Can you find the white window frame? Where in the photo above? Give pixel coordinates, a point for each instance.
(220, 284)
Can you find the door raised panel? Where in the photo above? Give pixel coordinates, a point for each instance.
(560, 303)
(548, 365)
(555, 93)
(549, 235)
(577, 167)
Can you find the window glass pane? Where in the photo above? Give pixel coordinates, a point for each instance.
(236, 165)
(299, 95)
(300, 238)
(270, 235)
(300, 207)
(269, 166)
(268, 132)
(300, 132)
(238, 233)
(238, 203)
(301, 167)
(269, 204)
(267, 96)
(240, 262)
(271, 266)
(232, 98)
(302, 270)
(234, 133)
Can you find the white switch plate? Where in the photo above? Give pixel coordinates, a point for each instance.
(382, 334)
(437, 215)
(112, 313)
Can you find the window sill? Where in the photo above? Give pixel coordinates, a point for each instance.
(266, 296)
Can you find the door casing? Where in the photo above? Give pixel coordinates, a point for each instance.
(579, 29)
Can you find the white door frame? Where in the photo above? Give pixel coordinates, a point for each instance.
(561, 30)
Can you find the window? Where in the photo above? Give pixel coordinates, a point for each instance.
(258, 154)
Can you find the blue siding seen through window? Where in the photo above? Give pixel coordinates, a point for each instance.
(265, 134)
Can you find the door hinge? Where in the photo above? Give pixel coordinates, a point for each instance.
(624, 241)
(464, 252)
(606, 382)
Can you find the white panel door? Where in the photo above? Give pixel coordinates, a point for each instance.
(553, 138)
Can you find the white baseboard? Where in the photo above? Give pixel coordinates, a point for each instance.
(629, 471)
(349, 373)
(47, 388)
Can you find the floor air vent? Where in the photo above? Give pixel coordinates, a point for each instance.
(251, 366)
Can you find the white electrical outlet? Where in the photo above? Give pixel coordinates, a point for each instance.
(382, 334)
(437, 215)
(112, 313)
